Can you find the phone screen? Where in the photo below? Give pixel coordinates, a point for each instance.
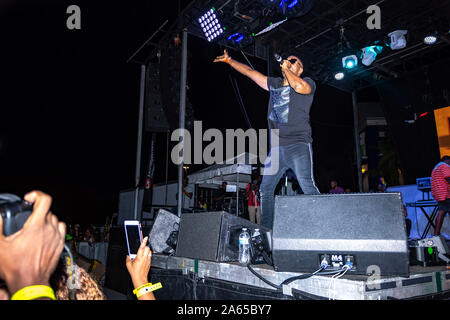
(134, 238)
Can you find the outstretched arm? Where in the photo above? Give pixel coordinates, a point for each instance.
(257, 77)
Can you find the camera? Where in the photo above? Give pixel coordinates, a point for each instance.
(14, 212)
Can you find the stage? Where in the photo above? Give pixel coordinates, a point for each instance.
(189, 279)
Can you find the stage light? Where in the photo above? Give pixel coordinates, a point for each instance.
(210, 25)
(369, 54)
(430, 38)
(339, 75)
(398, 40)
(237, 37)
(349, 62)
(290, 3)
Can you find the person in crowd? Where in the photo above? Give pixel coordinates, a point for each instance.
(291, 97)
(335, 188)
(139, 269)
(254, 203)
(85, 287)
(31, 266)
(440, 190)
(187, 201)
(220, 196)
(381, 187)
(29, 257)
(202, 203)
(77, 232)
(89, 235)
(348, 190)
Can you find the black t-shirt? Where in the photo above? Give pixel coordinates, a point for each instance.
(289, 111)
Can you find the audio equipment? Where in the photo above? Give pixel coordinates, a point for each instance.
(212, 236)
(367, 230)
(166, 223)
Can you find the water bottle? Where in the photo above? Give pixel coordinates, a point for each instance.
(244, 246)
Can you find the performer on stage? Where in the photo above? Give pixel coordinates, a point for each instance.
(440, 190)
(290, 101)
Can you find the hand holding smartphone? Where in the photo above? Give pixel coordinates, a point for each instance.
(133, 233)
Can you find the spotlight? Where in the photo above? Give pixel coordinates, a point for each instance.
(209, 22)
(430, 38)
(237, 37)
(369, 54)
(349, 62)
(398, 40)
(339, 75)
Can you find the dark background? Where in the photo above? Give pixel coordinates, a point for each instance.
(69, 104)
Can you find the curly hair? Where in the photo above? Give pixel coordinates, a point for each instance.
(86, 288)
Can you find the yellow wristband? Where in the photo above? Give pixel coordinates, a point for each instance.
(146, 288)
(143, 286)
(34, 292)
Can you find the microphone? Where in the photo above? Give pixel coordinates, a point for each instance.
(278, 57)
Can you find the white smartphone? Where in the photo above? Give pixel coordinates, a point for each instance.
(133, 233)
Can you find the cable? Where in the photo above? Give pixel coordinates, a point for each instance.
(300, 277)
(247, 59)
(261, 278)
(240, 102)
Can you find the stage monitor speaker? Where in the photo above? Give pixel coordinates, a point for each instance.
(165, 223)
(368, 229)
(212, 236)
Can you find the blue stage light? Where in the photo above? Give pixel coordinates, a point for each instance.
(236, 37)
(289, 3)
(349, 62)
(369, 54)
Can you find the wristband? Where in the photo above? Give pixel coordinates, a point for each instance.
(146, 288)
(227, 60)
(34, 292)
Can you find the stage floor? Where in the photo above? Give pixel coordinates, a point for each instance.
(423, 282)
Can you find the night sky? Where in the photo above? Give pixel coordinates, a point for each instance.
(69, 103)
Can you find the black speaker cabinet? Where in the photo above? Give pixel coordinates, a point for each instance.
(212, 236)
(368, 229)
(165, 223)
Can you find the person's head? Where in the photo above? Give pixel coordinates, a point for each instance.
(446, 159)
(224, 185)
(87, 287)
(348, 190)
(333, 184)
(297, 66)
(380, 187)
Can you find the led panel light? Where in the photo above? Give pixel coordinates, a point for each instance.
(210, 24)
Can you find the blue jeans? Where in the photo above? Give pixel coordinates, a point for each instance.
(298, 158)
